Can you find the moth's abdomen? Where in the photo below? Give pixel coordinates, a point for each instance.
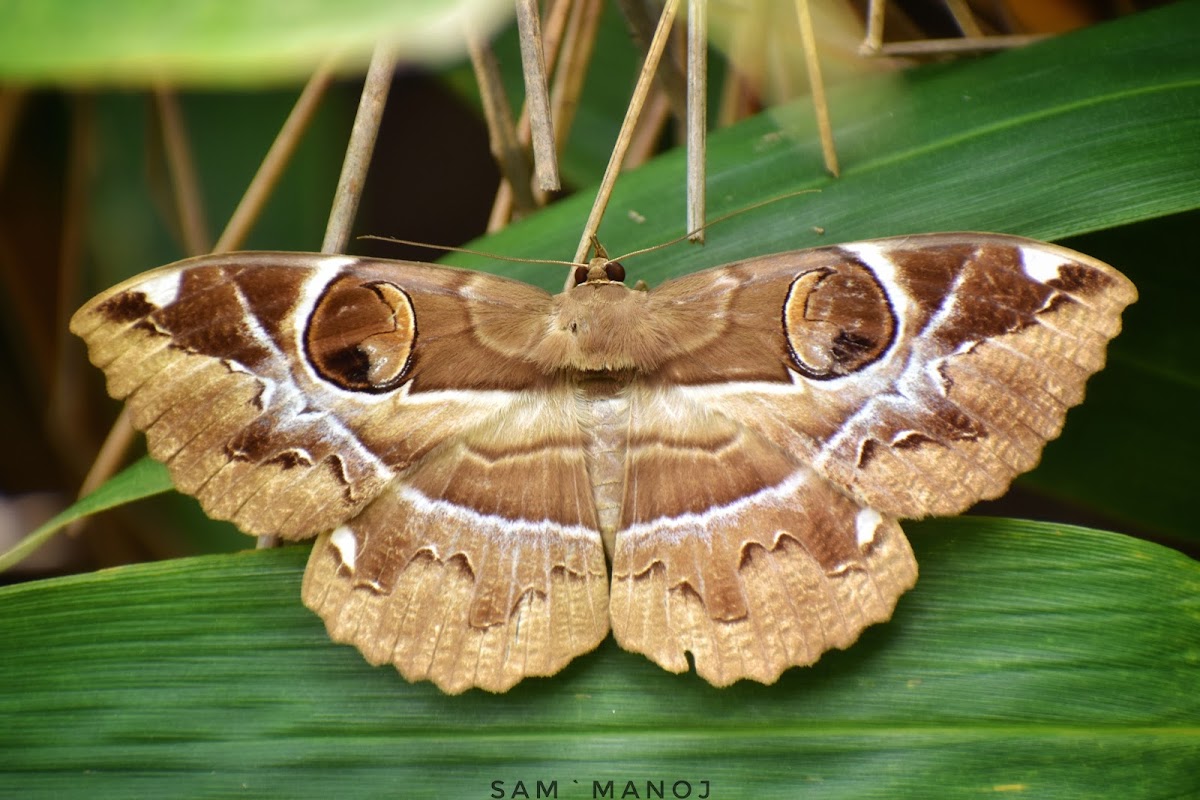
(604, 409)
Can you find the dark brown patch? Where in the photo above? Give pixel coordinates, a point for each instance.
(928, 275)
(209, 319)
(148, 326)
(127, 307)
(257, 401)
(994, 297)
(910, 440)
(250, 444)
(339, 566)
(290, 459)
(1080, 279)
(271, 293)
(338, 467)
(959, 426)
(849, 348)
(1057, 301)
(866, 452)
(947, 381)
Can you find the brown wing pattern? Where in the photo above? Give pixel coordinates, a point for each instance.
(954, 361)
(733, 551)
(389, 403)
(246, 375)
(851, 386)
(480, 565)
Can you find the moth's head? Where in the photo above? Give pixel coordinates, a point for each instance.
(599, 324)
(599, 271)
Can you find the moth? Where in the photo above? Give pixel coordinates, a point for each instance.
(497, 476)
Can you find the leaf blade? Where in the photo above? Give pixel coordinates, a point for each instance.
(123, 42)
(993, 672)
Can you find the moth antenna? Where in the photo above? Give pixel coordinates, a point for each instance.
(468, 251)
(710, 223)
(596, 245)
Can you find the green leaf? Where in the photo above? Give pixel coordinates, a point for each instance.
(142, 479)
(240, 43)
(1060, 660)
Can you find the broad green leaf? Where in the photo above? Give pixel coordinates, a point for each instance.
(123, 42)
(1041, 660)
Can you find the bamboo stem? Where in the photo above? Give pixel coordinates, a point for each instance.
(537, 96)
(697, 118)
(359, 151)
(604, 193)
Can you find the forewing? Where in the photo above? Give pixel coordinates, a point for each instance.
(285, 390)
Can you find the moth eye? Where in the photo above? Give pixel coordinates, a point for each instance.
(580, 276)
(614, 271)
(360, 336)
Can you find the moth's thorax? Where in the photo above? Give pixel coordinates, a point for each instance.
(600, 326)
